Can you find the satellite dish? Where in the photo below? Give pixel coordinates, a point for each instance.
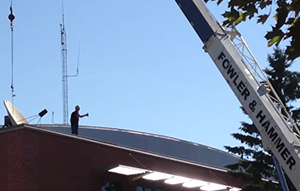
(15, 116)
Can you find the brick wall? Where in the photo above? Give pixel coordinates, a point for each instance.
(11, 168)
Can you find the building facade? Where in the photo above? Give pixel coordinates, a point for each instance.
(102, 159)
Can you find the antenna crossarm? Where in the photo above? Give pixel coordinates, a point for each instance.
(71, 76)
(77, 73)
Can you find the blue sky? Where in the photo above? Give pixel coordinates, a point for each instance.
(142, 67)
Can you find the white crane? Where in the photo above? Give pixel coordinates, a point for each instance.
(233, 58)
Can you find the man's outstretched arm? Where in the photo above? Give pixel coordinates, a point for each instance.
(85, 115)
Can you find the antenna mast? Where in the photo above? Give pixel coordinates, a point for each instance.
(64, 68)
(65, 75)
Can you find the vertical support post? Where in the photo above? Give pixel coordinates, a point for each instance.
(280, 174)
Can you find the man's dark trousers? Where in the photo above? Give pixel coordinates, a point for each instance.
(74, 129)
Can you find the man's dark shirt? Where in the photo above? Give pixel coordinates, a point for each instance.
(74, 118)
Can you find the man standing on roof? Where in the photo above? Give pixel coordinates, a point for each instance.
(75, 119)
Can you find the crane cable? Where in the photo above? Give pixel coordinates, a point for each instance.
(11, 18)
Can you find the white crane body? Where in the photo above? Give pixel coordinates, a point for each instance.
(274, 128)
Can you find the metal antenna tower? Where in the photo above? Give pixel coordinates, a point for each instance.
(65, 75)
(64, 69)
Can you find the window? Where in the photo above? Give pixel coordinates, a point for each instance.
(110, 186)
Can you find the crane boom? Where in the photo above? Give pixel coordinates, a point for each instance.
(244, 75)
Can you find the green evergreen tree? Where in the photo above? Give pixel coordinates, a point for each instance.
(256, 163)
